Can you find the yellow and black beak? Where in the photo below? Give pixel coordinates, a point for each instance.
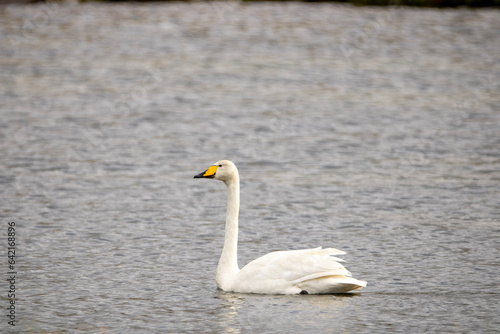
(208, 174)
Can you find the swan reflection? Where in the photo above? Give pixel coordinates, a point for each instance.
(252, 312)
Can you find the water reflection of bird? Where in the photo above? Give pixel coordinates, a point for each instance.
(305, 271)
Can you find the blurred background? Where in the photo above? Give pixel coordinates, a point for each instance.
(425, 3)
(372, 129)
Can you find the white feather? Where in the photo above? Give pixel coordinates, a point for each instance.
(315, 270)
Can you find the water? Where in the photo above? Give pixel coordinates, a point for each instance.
(372, 130)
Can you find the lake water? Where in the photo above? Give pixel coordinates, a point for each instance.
(372, 130)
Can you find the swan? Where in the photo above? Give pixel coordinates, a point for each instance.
(305, 271)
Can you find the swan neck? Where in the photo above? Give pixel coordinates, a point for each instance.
(228, 263)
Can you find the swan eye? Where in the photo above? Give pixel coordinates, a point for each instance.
(220, 165)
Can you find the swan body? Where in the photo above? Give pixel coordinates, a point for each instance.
(305, 271)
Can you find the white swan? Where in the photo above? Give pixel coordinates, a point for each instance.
(305, 271)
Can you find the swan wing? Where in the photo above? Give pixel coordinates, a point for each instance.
(286, 271)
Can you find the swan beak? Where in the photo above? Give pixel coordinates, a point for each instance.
(208, 174)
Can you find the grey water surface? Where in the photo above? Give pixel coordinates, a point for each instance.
(374, 130)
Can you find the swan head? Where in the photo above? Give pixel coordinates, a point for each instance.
(223, 170)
